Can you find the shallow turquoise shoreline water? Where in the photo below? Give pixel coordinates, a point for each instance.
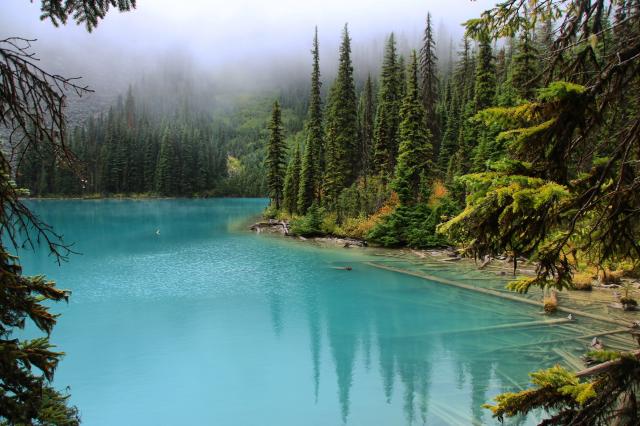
(207, 323)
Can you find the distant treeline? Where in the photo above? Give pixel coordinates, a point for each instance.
(169, 150)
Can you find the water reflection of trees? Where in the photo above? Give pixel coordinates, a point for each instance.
(407, 337)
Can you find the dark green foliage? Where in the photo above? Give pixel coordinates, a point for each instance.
(165, 171)
(121, 154)
(479, 139)
(402, 80)
(413, 226)
(313, 160)
(309, 225)
(609, 397)
(429, 81)
(87, 12)
(449, 137)
(291, 183)
(415, 156)
(485, 87)
(27, 366)
(387, 112)
(459, 109)
(276, 157)
(569, 184)
(468, 136)
(341, 128)
(525, 68)
(422, 233)
(363, 198)
(242, 134)
(366, 122)
(32, 107)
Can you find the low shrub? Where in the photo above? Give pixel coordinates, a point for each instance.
(414, 226)
(309, 225)
(582, 281)
(550, 302)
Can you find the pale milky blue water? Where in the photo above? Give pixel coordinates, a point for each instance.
(209, 324)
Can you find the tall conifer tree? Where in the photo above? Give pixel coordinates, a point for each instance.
(480, 139)
(313, 159)
(524, 71)
(165, 169)
(460, 90)
(485, 87)
(341, 127)
(366, 118)
(401, 78)
(276, 157)
(291, 183)
(415, 157)
(387, 112)
(429, 80)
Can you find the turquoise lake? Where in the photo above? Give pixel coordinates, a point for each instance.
(207, 323)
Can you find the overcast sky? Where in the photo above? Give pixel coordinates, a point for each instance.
(220, 31)
(220, 35)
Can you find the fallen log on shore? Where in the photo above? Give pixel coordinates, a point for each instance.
(271, 226)
(600, 368)
(497, 293)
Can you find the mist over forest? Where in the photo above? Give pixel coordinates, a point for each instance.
(227, 50)
(218, 67)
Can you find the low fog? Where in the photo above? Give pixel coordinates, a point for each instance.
(242, 45)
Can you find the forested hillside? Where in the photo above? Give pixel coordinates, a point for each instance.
(165, 142)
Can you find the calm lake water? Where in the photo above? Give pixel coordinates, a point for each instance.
(209, 324)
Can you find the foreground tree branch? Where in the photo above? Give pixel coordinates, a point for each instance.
(32, 114)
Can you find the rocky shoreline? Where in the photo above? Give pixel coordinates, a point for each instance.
(282, 227)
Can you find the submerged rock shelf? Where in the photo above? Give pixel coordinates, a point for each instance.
(577, 335)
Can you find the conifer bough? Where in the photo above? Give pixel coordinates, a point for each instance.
(32, 105)
(569, 185)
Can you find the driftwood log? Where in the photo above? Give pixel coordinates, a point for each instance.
(271, 226)
(601, 368)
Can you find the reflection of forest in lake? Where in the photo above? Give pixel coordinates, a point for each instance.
(443, 352)
(207, 323)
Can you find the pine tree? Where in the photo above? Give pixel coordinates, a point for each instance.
(402, 87)
(32, 104)
(187, 160)
(150, 160)
(291, 183)
(387, 112)
(448, 144)
(276, 157)
(485, 87)
(366, 117)
(429, 81)
(415, 157)
(482, 141)
(461, 89)
(313, 159)
(341, 127)
(505, 93)
(165, 178)
(524, 70)
(544, 39)
(567, 190)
